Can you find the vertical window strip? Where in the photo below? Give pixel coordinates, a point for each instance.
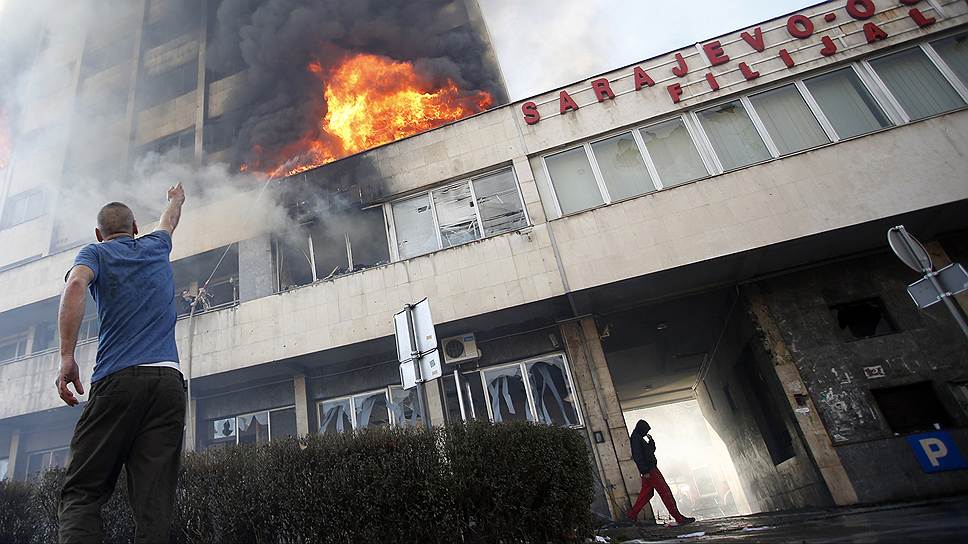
(955, 79)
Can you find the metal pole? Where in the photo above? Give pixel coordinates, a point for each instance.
(952, 306)
(415, 359)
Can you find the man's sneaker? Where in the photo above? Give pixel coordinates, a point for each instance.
(683, 521)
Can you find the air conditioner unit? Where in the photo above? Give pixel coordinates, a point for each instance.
(458, 349)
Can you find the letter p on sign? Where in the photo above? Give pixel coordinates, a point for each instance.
(936, 451)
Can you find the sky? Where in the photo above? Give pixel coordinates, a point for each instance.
(546, 44)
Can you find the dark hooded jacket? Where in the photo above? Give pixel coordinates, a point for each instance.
(643, 451)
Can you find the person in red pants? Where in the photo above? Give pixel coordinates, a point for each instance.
(643, 452)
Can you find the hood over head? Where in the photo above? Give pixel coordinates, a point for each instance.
(642, 427)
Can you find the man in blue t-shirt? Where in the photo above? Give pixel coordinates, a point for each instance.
(135, 414)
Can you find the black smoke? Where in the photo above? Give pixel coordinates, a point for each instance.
(274, 40)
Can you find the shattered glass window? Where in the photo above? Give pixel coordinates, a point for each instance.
(335, 416)
(221, 431)
(622, 166)
(554, 399)
(507, 395)
(499, 203)
(405, 407)
(456, 215)
(253, 428)
(414, 224)
(372, 410)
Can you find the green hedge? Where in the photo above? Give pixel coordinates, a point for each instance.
(470, 483)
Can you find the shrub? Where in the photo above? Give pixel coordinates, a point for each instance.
(474, 483)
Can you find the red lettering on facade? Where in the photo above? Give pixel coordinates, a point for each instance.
(711, 79)
(787, 59)
(749, 73)
(602, 90)
(531, 115)
(642, 79)
(566, 103)
(873, 32)
(861, 9)
(800, 26)
(715, 54)
(829, 47)
(681, 69)
(921, 19)
(830, 17)
(675, 91)
(755, 40)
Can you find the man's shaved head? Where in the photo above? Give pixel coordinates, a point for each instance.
(115, 218)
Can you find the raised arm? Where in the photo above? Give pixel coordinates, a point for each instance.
(172, 213)
(69, 319)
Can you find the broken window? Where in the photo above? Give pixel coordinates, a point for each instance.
(464, 397)
(332, 237)
(865, 318)
(191, 273)
(912, 408)
(554, 400)
(499, 203)
(335, 416)
(404, 407)
(371, 410)
(4, 465)
(252, 428)
(459, 213)
(360, 411)
(507, 394)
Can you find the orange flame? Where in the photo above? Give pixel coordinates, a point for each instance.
(373, 100)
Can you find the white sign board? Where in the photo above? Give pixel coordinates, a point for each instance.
(424, 353)
(952, 279)
(430, 368)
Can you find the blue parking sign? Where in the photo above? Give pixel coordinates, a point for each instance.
(936, 451)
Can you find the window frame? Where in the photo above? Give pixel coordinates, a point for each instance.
(643, 153)
(903, 117)
(236, 417)
(388, 395)
(428, 194)
(16, 339)
(522, 366)
(26, 195)
(48, 456)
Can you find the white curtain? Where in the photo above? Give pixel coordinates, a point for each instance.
(847, 103)
(954, 52)
(916, 83)
(673, 152)
(788, 119)
(733, 135)
(574, 182)
(622, 167)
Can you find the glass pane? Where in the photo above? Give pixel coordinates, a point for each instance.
(788, 119)
(733, 135)
(472, 391)
(673, 153)
(499, 203)
(4, 464)
(282, 424)
(220, 431)
(371, 410)
(253, 428)
(847, 103)
(405, 408)
(456, 215)
(574, 182)
(451, 399)
(954, 52)
(414, 225)
(554, 399)
(58, 458)
(622, 167)
(916, 83)
(8, 351)
(505, 392)
(37, 463)
(334, 416)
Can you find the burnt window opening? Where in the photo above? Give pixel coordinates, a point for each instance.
(163, 86)
(101, 58)
(761, 397)
(330, 238)
(912, 408)
(191, 274)
(866, 318)
(179, 146)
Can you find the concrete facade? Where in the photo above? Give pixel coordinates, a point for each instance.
(764, 231)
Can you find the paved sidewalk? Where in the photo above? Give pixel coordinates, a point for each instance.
(942, 520)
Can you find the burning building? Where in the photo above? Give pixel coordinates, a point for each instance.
(705, 227)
